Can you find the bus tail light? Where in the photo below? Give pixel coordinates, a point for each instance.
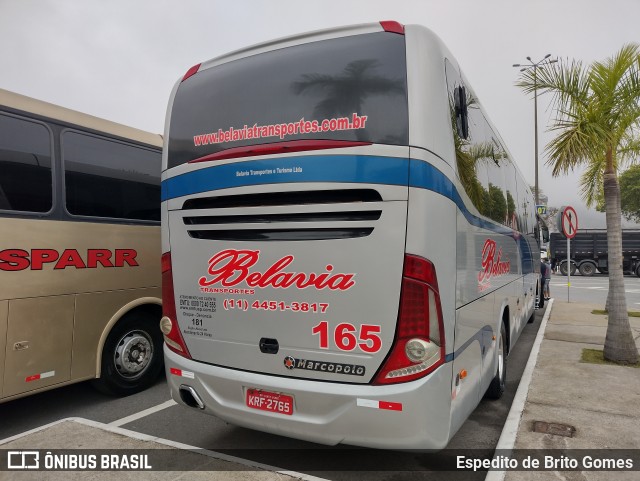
(419, 347)
(169, 322)
(192, 71)
(392, 26)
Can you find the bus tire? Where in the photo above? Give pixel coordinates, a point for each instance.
(132, 357)
(587, 269)
(498, 383)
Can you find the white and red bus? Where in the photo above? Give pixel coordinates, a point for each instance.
(349, 249)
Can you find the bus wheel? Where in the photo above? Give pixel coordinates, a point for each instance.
(132, 355)
(496, 388)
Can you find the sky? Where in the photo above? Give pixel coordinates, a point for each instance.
(119, 59)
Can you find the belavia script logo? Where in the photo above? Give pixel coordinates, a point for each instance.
(492, 264)
(231, 267)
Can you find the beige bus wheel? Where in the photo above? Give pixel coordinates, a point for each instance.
(132, 355)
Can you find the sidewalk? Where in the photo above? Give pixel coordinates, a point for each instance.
(602, 402)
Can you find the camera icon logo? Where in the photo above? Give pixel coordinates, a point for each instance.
(23, 460)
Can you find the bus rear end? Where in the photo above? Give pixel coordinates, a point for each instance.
(290, 304)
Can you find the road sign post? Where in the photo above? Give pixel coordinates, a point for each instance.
(568, 267)
(569, 224)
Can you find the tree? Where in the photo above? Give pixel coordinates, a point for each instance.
(630, 193)
(498, 204)
(345, 93)
(597, 126)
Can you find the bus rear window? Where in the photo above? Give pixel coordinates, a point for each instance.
(351, 88)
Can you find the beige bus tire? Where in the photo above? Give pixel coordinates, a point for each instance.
(132, 357)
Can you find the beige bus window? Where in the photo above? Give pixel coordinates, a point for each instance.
(25, 164)
(111, 179)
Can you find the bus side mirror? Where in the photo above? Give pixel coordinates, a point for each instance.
(462, 121)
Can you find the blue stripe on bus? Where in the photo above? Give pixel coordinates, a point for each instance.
(477, 337)
(313, 168)
(362, 169)
(359, 169)
(426, 176)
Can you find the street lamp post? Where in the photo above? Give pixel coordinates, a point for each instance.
(535, 66)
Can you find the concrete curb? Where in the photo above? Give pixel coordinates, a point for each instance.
(510, 430)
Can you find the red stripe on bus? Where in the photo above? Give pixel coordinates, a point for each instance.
(279, 148)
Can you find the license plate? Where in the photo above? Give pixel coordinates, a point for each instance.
(270, 401)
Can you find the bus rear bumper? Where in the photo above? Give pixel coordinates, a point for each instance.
(406, 416)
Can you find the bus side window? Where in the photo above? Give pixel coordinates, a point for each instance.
(25, 163)
(111, 179)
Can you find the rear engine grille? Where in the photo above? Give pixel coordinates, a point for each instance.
(284, 198)
(280, 234)
(299, 217)
(260, 217)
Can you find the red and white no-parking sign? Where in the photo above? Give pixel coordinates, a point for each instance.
(569, 221)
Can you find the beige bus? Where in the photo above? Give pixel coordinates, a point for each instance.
(80, 294)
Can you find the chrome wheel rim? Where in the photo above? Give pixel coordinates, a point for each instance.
(133, 354)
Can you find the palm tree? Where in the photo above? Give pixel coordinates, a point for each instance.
(597, 125)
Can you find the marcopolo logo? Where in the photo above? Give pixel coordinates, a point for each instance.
(289, 362)
(321, 366)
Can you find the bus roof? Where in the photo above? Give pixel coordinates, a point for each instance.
(55, 112)
(290, 40)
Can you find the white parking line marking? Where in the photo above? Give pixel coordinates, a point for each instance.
(142, 414)
(168, 442)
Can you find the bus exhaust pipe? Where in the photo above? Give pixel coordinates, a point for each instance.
(190, 397)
